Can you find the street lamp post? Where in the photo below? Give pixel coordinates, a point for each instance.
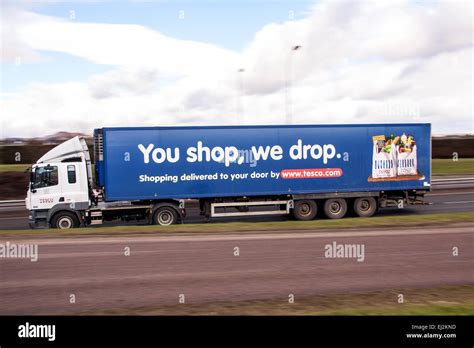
(289, 116)
(240, 107)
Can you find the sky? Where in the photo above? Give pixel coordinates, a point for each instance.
(79, 65)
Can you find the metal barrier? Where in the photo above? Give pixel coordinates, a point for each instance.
(452, 183)
(12, 203)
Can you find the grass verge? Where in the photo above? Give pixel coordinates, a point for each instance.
(448, 166)
(290, 225)
(13, 167)
(448, 300)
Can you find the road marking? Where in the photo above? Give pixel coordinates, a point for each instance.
(457, 202)
(453, 179)
(261, 235)
(141, 276)
(450, 194)
(14, 217)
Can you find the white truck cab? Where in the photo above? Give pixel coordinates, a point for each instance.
(61, 194)
(61, 180)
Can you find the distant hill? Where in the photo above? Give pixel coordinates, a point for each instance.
(52, 139)
(60, 137)
(30, 149)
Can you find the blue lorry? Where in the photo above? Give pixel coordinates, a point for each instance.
(150, 173)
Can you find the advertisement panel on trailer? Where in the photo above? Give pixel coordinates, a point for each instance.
(194, 162)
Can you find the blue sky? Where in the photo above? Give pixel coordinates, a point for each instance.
(137, 63)
(228, 24)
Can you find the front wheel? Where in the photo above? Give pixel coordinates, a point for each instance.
(65, 220)
(165, 216)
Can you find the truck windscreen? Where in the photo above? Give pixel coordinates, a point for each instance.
(44, 177)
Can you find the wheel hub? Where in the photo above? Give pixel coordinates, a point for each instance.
(364, 205)
(305, 209)
(335, 207)
(164, 218)
(64, 223)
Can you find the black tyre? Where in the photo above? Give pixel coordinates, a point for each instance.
(64, 220)
(335, 208)
(165, 216)
(365, 206)
(305, 210)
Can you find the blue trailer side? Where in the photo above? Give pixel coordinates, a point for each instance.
(147, 173)
(159, 163)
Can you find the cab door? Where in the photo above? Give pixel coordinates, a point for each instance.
(74, 187)
(45, 187)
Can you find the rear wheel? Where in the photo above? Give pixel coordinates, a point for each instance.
(165, 216)
(65, 220)
(335, 208)
(305, 210)
(365, 206)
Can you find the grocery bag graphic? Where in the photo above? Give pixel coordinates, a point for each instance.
(407, 156)
(384, 157)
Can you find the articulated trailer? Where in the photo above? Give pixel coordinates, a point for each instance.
(149, 173)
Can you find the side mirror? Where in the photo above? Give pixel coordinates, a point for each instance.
(33, 191)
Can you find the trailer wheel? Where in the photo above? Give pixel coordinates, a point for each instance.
(64, 220)
(365, 206)
(165, 216)
(335, 208)
(305, 210)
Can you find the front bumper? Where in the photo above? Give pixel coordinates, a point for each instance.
(37, 219)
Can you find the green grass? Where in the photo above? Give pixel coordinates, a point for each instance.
(409, 309)
(290, 225)
(448, 166)
(14, 167)
(446, 300)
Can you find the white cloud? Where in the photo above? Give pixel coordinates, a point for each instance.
(11, 48)
(123, 82)
(132, 46)
(381, 61)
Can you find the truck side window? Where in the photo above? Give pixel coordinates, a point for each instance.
(71, 174)
(45, 177)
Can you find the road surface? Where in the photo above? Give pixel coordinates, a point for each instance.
(442, 202)
(204, 268)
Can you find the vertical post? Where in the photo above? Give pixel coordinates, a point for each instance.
(240, 105)
(289, 116)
